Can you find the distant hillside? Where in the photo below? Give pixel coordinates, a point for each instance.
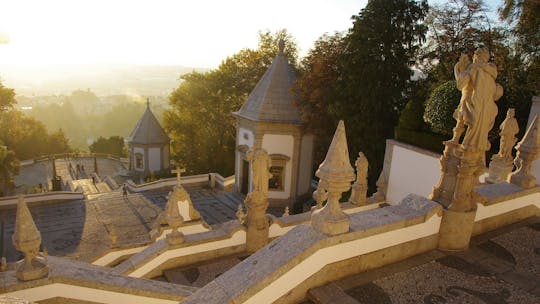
(101, 79)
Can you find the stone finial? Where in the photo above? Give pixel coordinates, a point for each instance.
(175, 221)
(380, 195)
(27, 239)
(501, 164)
(359, 188)
(319, 195)
(260, 163)
(240, 215)
(527, 151)
(335, 175)
(286, 212)
(114, 237)
(281, 46)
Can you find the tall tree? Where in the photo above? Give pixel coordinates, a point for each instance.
(113, 145)
(7, 98)
(375, 73)
(200, 120)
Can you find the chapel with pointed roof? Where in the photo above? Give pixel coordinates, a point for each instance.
(269, 119)
(148, 146)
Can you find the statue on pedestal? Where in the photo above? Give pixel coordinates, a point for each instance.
(502, 163)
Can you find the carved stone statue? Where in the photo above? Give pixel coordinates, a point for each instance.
(359, 188)
(508, 130)
(257, 200)
(260, 162)
(479, 91)
(501, 164)
(527, 152)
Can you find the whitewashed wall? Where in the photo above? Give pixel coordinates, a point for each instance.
(412, 170)
(154, 159)
(280, 144)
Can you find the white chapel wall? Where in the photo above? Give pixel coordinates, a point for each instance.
(306, 159)
(280, 144)
(154, 159)
(412, 170)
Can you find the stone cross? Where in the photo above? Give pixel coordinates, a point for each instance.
(178, 172)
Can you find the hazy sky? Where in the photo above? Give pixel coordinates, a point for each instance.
(192, 33)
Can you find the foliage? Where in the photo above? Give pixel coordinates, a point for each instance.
(113, 145)
(362, 77)
(7, 98)
(315, 89)
(440, 108)
(421, 138)
(9, 166)
(411, 118)
(200, 122)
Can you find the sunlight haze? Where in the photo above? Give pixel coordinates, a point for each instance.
(189, 33)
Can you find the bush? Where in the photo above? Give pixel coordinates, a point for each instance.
(421, 139)
(411, 116)
(440, 108)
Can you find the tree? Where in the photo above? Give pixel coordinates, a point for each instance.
(315, 89)
(9, 167)
(375, 74)
(113, 145)
(7, 98)
(200, 121)
(440, 108)
(455, 27)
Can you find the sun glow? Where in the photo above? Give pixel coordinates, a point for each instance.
(191, 33)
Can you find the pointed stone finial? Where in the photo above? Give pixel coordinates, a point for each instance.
(281, 46)
(380, 195)
(240, 215)
(336, 175)
(175, 220)
(45, 251)
(27, 239)
(527, 151)
(359, 188)
(286, 212)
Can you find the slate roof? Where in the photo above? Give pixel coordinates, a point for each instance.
(271, 100)
(148, 130)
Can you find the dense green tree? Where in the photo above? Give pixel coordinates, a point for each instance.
(200, 121)
(440, 108)
(315, 89)
(375, 74)
(113, 145)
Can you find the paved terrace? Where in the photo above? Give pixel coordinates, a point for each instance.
(80, 229)
(501, 267)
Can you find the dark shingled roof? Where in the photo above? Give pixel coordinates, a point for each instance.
(148, 130)
(271, 100)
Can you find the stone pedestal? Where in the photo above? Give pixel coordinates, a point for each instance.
(256, 221)
(32, 270)
(331, 219)
(455, 191)
(456, 230)
(499, 169)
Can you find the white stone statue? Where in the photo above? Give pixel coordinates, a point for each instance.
(508, 130)
(260, 164)
(479, 91)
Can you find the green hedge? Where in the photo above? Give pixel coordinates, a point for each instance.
(421, 139)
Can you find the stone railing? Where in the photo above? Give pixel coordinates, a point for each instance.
(77, 282)
(211, 179)
(286, 268)
(111, 182)
(31, 199)
(228, 240)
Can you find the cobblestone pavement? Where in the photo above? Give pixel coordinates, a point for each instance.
(81, 229)
(500, 267)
